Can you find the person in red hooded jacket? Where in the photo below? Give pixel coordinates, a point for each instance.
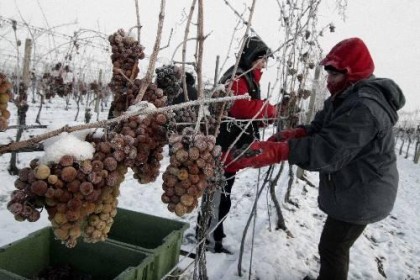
(351, 144)
(246, 80)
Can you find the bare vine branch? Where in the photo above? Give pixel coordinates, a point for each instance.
(184, 49)
(235, 68)
(153, 57)
(15, 146)
(182, 43)
(199, 69)
(136, 2)
(169, 40)
(246, 22)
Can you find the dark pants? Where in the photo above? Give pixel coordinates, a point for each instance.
(224, 206)
(222, 209)
(334, 248)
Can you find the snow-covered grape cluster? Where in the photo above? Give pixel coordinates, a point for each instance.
(79, 196)
(153, 94)
(193, 160)
(168, 78)
(126, 53)
(185, 116)
(5, 87)
(140, 141)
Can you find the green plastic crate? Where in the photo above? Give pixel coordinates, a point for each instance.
(158, 236)
(27, 257)
(5, 275)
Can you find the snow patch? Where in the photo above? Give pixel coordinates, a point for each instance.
(67, 144)
(141, 106)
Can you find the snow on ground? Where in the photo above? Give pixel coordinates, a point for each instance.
(389, 249)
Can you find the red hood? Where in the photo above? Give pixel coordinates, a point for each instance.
(353, 56)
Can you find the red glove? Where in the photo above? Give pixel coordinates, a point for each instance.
(269, 153)
(270, 111)
(287, 134)
(231, 165)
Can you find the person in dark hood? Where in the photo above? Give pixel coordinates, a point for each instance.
(351, 144)
(246, 80)
(191, 89)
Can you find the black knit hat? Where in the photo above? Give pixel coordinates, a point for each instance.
(254, 48)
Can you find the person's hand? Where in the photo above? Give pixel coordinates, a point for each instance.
(270, 112)
(260, 154)
(230, 164)
(287, 134)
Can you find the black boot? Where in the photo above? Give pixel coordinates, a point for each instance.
(218, 248)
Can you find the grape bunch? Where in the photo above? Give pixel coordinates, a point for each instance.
(82, 87)
(95, 86)
(168, 78)
(139, 141)
(126, 53)
(193, 161)
(152, 95)
(56, 84)
(217, 108)
(155, 95)
(47, 85)
(148, 170)
(184, 117)
(80, 197)
(5, 87)
(65, 89)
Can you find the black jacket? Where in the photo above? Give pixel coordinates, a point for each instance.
(192, 95)
(351, 144)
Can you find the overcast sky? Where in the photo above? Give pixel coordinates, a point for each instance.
(390, 28)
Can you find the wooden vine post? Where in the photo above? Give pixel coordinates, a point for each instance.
(97, 97)
(21, 102)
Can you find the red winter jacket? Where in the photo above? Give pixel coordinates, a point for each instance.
(246, 109)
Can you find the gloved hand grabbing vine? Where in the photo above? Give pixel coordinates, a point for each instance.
(263, 154)
(230, 165)
(287, 134)
(270, 111)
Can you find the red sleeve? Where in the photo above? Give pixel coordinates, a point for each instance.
(246, 109)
